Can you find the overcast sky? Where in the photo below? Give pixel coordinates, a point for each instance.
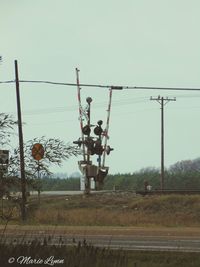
(114, 42)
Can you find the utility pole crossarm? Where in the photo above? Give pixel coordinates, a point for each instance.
(159, 99)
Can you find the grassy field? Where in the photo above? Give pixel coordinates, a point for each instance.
(117, 209)
(113, 209)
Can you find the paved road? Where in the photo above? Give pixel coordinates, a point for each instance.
(156, 243)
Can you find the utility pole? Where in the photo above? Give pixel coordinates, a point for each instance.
(162, 101)
(21, 146)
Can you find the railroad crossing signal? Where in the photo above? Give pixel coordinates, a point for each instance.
(37, 151)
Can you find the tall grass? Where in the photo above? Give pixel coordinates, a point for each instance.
(84, 255)
(115, 210)
(81, 256)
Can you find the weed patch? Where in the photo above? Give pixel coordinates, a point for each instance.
(39, 253)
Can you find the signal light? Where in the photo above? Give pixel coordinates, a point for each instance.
(90, 145)
(98, 130)
(86, 130)
(98, 148)
(79, 143)
(102, 173)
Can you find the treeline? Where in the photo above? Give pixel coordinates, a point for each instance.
(57, 184)
(136, 181)
(181, 175)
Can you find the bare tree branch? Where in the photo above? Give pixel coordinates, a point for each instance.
(7, 124)
(56, 152)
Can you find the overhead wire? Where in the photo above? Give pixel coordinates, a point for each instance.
(40, 111)
(121, 87)
(97, 105)
(117, 103)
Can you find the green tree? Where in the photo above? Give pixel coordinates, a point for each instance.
(184, 174)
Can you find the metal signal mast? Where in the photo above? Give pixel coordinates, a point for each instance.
(93, 145)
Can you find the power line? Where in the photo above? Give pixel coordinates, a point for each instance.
(101, 104)
(106, 86)
(118, 102)
(162, 88)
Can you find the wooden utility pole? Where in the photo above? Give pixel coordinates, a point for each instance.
(162, 101)
(21, 146)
